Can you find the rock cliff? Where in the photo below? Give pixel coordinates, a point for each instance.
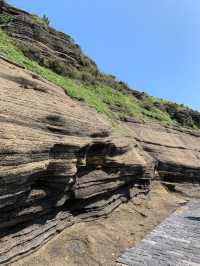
(176, 153)
(58, 51)
(51, 48)
(61, 162)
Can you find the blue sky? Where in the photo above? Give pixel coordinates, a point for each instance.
(153, 45)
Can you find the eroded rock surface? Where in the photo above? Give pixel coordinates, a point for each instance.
(176, 153)
(102, 241)
(58, 51)
(60, 162)
(50, 48)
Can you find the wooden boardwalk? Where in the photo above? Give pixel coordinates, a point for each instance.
(176, 242)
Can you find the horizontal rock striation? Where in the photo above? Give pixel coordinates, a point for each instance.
(176, 153)
(58, 51)
(60, 162)
(50, 48)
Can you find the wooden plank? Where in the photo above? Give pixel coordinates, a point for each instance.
(176, 242)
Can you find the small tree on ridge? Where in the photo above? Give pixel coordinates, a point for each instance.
(46, 19)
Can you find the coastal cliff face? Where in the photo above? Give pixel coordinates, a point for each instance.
(58, 52)
(62, 162)
(176, 153)
(50, 48)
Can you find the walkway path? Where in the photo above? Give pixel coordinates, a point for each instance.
(176, 242)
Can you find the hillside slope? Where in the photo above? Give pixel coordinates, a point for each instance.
(62, 162)
(57, 52)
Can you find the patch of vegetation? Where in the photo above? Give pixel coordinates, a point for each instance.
(105, 99)
(44, 20)
(180, 113)
(2, 2)
(5, 18)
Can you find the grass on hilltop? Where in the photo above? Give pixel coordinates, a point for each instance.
(104, 99)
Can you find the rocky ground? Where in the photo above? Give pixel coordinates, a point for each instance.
(100, 242)
(174, 242)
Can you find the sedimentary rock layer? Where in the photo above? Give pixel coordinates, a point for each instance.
(176, 153)
(41, 43)
(57, 51)
(60, 162)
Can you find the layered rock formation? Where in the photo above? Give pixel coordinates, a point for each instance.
(176, 153)
(60, 162)
(57, 51)
(50, 48)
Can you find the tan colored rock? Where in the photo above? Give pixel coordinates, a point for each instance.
(57, 156)
(176, 153)
(61, 162)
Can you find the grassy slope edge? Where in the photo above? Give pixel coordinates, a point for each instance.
(104, 99)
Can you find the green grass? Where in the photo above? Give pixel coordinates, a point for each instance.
(44, 20)
(5, 19)
(103, 98)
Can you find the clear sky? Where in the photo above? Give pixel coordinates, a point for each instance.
(153, 45)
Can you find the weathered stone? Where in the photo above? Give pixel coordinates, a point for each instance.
(61, 161)
(57, 156)
(41, 43)
(176, 155)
